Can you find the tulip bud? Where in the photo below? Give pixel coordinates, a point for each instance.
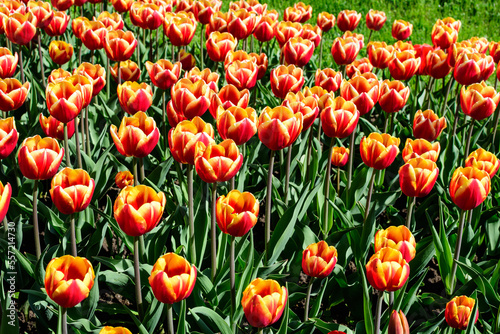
(204, 9)
(218, 162)
(378, 151)
(339, 157)
(124, 179)
(228, 96)
(172, 278)
(348, 20)
(218, 22)
(279, 127)
(357, 67)
(111, 20)
(264, 30)
(319, 259)
(181, 31)
(398, 323)
(8, 63)
(94, 34)
(473, 68)
(401, 30)
(138, 209)
(219, 44)
(421, 148)
(241, 23)
(483, 160)
(393, 96)
(263, 302)
(469, 187)
(345, 50)
(428, 125)
(437, 64)
(135, 97)
(68, 280)
(60, 52)
(479, 101)
(443, 36)
(458, 312)
(237, 213)
(78, 26)
(312, 33)
(292, 14)
(417, 177)
(322, 96)
(328, 79)
(495, 51)
(12, 94)
(62, 5)
(363, 90)
(285, 79)
(340, 118)
(188, 139)
(187, 60)
(71, 190)
(325, 21)
(42, 11)
(237, 123)
(129, 71)
(387, 270)
(114, 330)
(306, 11)
(375, 19)
(38, 158)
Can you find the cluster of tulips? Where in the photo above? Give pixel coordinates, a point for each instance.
(138, 208)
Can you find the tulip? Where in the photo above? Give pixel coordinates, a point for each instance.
(359, 37)
(60, 52)
(78, 26)
(458, 312)
(348, 20)
(401, 30)
(253, 6)
(137, 135)
(95, 73)
(292, 14)
(243, 75)
(124, 179)
(437, 64)
(204, 9)
(191, 99)
(62, 5)
(285, 79)
(263, 302)
(279, 127)
(345, 50)
(387, 270)
(94, 34)
(58, 24)
(325, 21)
(218, 22)
(237, 213)
(68, 280)
(207, 76)
(240, 55)
(421, 148)
(428, 125)
(286, 30)
(404, 65)
(375, 19)
(359, 66)
(264, 29)
(298, 51)
(322, 96)
(58, 76)
(20, 28)
(479, 101)
(228, 96)
(261, 62)
(363, 90)
(219, 44)
(469, 187)
(473, 68)
(451, 22)
(312, 33)
(443, 36)
(379, 54)
(339, 119)
(42, 11)
(64, 100)
(241, 23)
(55, 129)
(483, 160)
(119, 45)
(187, 60)
(417, 177)
(479, 43)
(328, 79)
(5, 195)
(393, 96)
(8, 136)
(138, 209)
(495, 51)
(396, 237)
(134, 97)
(319, 259)
(219, 162)
(12, 94)
(111, 20)
(339, 157)
(236, 123)
(71, 190)
(186, 137)
(181, 31)
(114, 330)
(456, 49)
(8, 63)
(306, 105)
(84, 84)
(398, 323)
(129, 71)
(39, 158)
(149, 15)
(185, 6)
(163, 73)
(172, 278)
(421, 52)
(378, 151)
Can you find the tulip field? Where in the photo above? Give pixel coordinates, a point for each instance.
(199, 166)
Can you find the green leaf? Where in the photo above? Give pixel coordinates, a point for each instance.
(214, 318)
(472, 318)
(284, 322)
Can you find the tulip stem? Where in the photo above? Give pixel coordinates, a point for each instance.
(41, 59)
(66, 146)
(369, 37)
(370, 192)
(108, 84)
(495, 127)
(327, 189)
(260, 331)
(137, 274)
(458, 245)
(287, 173)
(232, 278)
(411, 205)
(320, 53)
(63, 315)
(192, 244)
(351, 160)
(445, 101)
(120, 72)
(21, 63)
(467, 145)
(77, 144)
(134, 168)
(214, 231)
(429, 92)
(309, 153)
(164, 118)
(308, 298)
(318, 136)
(201, 46)
(338, 179)
(268, 204)
(232, 186)
(457, 108)
(87, 134)
(82, 130)
(379, 311)
(72, 234)
(170, 319)
(141, 169)
(35, 221)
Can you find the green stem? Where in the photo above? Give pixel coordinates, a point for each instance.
(378, 311)
(134, 168)
(232, 278)
(35, 221)
(108, 84)
(457, 108)
(82, 130)
(192, 244)
(260, 331)
(370, 192)
(445, 101)
(338, 180)
(137, 274)
(327, 189)
(87, 133)
(458, 245)
(467, 146)
(141, 169)
(164, 118)
(308, 298)
(66, 146)
(170, 319)
(369, 37)
(64, 319)
(21, 63)
(411, 205)
(44, 81)
(74, 252)
(351, 160)
(495, 127)
(320, 53)
(77, 144)
(202, 47)
(429, 92)
(214, 231)
(120, 72)
(309, 152)
(268, 204)
(287, 173)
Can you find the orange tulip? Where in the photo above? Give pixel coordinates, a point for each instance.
(124, 179)
(191, 99)
(250, 5)
(398, 323)
(404, 65)
(339, 157)
(119, 45)
(285, 79)
(187, 60)
(393, 96)
(417, 177)
(328, 79)
(319, 259)
(345, 50)
(138, 209)
(62, 5)
(111, 21)
(218, 22)
(279, 127)
(495, 51)
(428, 125)
(379, 54)
(399, 238)
(421, 51)
(292, 14)
(437, 64)
(243, 75)
(129, 71)
(241, 23)
(378, 151)
(473, 68)
(359, 66)
(228, 96)
(12, 94)
(64, 100)
(147, 15)
(283, 31)
(218, 162)
(348, 20)
(186, 137)
(363, 90)
(219, 44)
(233, 56)
(60, 52)
(78, 26)
(401, 30)
(236, 123)
(456, 49)
(469, 187)
(443, 36)
(263, 302)
(479, 43)
(20, 28)
(42, 11)
(8, 63)
(264, 29)
(375, 19)
(421, 148)
(8, 136)
(483, 160)
(58, 24)
(339, 119)
(137, 135)
(204, 9)
(181, 31)
(325, 21)
(114, 330)
(312, 33)
(387, 270)
(458, 312)
(134, 97)
(94, 34)
(237, 213)
(58, 76)
(55, 129)
(163, 73)
(172, 278)
(95, 73)
(84, 84)
(5, 195)
(298, 51)
(71, 190)
(306, 105)
(122, 6)
(451, 22)
(207, 76)
(359, 37)
(68, 280)
(479, 101)
(322, 96)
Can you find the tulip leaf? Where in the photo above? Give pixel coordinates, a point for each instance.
(137, 322)
(472, 317)
(483, 284)
(367, 310)
(213, 318)
(26, 264)
(318, 299)
(284, 318)
(181, 327)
